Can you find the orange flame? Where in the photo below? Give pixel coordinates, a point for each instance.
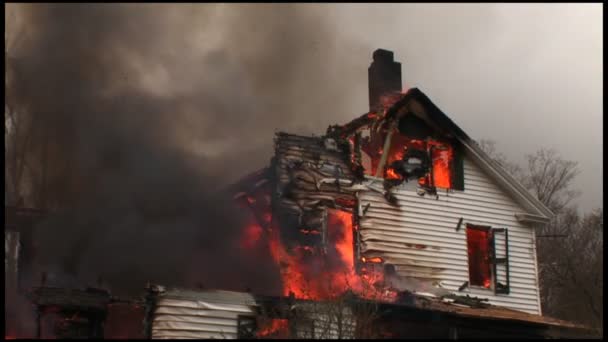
(325, 275)
(251, 236)
(375, 260)
(391, 174)
(276, 327)
(442, 156)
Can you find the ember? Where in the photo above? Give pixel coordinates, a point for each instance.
(372, 260)
(275, 328)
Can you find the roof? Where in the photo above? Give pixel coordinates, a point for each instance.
(250, 182)
(417, 102)
(201, 314)
(459, 306)
(485, 311)
(213, 296)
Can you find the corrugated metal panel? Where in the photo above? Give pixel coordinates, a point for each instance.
(419, 237)
(199, 315)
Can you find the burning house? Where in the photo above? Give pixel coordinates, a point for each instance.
(397, 205)
(393, 225)
(400, 195)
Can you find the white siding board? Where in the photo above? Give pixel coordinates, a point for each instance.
(452, 220)
(408, 226)
(385, 230)
(433, 240)
(434, 257)
(196, 312)
(197, 319)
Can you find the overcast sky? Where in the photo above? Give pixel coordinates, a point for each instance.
(525, 75)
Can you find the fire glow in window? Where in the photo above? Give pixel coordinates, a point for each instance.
(478, 247)
(442, 155)
(442, 171)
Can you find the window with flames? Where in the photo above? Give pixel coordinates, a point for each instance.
(486, 269)
(414, 152)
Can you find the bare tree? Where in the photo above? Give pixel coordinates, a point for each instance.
(570, 247)
(572, 269)
(549, 177)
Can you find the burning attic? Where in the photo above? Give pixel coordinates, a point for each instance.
(395, 224)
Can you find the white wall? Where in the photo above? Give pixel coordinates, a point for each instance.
(441, 255)
(198, 319)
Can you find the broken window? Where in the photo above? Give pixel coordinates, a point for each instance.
(428, 161)
(479, 252)
(442, 158)
(410, 151)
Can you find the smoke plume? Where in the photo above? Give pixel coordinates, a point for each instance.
(135, 116)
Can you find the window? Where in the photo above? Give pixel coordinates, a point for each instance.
(488, 251)
(479, 251)
(442, 156)
(441, 165)
(246, 327)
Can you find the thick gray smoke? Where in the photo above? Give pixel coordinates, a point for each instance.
(141, 113)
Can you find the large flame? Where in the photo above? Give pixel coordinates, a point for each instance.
(314, 273)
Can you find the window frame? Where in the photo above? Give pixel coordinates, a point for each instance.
(506, 288)
(494, 260)
(488, 229)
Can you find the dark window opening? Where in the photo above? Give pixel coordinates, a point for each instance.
(479, 252)
(246, 327)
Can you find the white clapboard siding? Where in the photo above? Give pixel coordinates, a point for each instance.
(200, 318)
(419, 237)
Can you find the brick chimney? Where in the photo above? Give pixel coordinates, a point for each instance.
(384, 75)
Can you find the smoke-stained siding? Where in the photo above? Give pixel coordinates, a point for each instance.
(419, 237)
(200, 315)
(302, 163)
